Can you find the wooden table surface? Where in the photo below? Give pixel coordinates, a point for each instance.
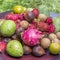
(48, 56)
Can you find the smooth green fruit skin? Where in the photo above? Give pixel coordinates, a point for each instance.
(1, 21)
(14, 48)
(18, 9)
(53, 50)
(8, 28)
(56, 22)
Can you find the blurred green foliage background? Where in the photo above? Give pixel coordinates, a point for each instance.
(44, 6)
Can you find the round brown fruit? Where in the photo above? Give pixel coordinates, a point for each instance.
(38, 51)
(42, 17)
(27, 49)
(29, 16)
(24, 24)
(56, 41)
(58, 35)
(52, 36)
(45, 43)
(19, 30)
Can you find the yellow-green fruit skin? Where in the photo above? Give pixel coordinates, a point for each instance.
(54, 48)
(18, 9)
(14, 48)
(8, 28)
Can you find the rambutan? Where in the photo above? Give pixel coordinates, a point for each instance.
(49, 20)
(51, 28)
(36, 12)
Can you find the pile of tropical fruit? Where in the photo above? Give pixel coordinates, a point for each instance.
(27, 31)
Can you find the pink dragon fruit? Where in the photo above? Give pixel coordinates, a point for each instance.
(31, 36)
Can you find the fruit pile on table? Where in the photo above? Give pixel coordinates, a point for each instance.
(27, 31)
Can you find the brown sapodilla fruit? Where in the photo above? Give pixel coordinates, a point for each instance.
(29, 16)
(38, 51)
(27, 49)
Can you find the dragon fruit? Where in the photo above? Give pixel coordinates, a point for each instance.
(31, 36)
